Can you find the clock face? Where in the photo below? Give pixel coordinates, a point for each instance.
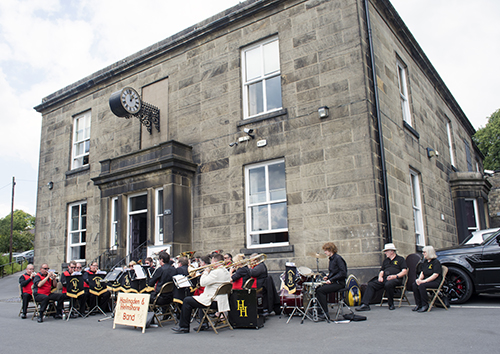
(130, 100)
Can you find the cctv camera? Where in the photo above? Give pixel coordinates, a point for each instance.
(233, 144)
(248, 131)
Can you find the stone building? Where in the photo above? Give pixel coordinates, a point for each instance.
(271, 138)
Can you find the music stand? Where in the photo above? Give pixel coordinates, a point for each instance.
(74, 290)
(97, 288)
(112, 281)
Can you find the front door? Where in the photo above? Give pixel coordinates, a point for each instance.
(138, 230)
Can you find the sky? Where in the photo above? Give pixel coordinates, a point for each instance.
(47, 45)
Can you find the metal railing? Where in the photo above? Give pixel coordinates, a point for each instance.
(4, 268)
(109, 259)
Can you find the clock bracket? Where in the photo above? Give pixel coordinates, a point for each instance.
(149, 116)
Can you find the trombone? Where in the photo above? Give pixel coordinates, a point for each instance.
(253, 261)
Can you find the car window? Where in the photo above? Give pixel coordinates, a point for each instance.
(467, 239)
(486, 235)
(492, 236)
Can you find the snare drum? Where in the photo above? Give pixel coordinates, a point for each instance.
(305, 273)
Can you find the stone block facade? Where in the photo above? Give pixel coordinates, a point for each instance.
(333, 173)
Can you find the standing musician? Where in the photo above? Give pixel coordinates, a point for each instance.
(335, 280)
(239, 273)
(211, 280)
(161, 276)
(92, 299)
(43, 283)
(64, 281)
(26, 281)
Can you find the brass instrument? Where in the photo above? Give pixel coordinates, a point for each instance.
(253, 261)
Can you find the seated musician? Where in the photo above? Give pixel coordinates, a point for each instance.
(259, 272)
(390, 275)
(103, 299)
(211, 280)
(228, 258)
(161, 276)
(64, 281)
(26, 281)
(204, 260)
(335, 280)
(182, 269)
(43, 283)
(239, 273)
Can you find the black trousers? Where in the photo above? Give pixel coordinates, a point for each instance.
(420, 292)
(187, 308)
(44, 301)
(103, 301)
(374, 285)
(323, 291)
(26, 299)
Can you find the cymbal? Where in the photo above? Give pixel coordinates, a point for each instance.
(316, 255)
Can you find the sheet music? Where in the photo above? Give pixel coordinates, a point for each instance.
(181, 281)
(139, 272)
(101, 272)
(76, 273)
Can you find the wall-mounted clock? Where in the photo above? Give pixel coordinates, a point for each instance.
(125, 102)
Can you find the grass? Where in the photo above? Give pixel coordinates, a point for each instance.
(7, 268)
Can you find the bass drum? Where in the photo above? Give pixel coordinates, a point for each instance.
(289, 301)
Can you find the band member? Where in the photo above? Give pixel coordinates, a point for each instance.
(102, 299)
(430, 277)
(43, 283)
(198, 290)
(182, 269)
(228, 258)
(391, 275)
(335, 280)
(64, 281)
(162, 275)
(259, 272)
(26, 282)
(239, 274)
(211, 280)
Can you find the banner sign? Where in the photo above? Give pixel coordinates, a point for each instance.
(131, 310)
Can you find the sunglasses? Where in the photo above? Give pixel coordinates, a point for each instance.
(45, 268)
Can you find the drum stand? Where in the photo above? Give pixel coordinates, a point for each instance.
(316, 307)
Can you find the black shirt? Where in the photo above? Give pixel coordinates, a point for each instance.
(431, 267)
(393, 267)
(162, 275)
(337, 269)
(242, 272)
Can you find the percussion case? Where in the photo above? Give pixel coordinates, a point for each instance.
(243, 313)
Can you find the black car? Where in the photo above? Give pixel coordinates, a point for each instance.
(472, 269)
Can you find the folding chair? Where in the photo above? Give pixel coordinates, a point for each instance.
(31, 305)
(436, 291)
(220, 321)
(402, 289)
(165, 311)
(50, 310)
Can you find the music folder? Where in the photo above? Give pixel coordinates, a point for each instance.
(74, 287)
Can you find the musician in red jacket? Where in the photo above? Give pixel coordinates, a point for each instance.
(42, 289)
(64, 281)
(26, 282)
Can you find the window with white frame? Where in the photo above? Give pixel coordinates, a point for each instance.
(403, 92)
(113, 242)
(416, 198)
(261, 78)
(81, 140)
(450, 143)
(77, 231)
(471, 213)
(159, 217)
(266, 204)
(468, 156)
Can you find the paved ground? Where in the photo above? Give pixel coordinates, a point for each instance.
(473, 327)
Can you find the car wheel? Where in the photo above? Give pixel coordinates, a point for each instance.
(458, 286)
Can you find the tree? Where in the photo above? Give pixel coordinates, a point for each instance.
(488, 141)
(22, 236)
